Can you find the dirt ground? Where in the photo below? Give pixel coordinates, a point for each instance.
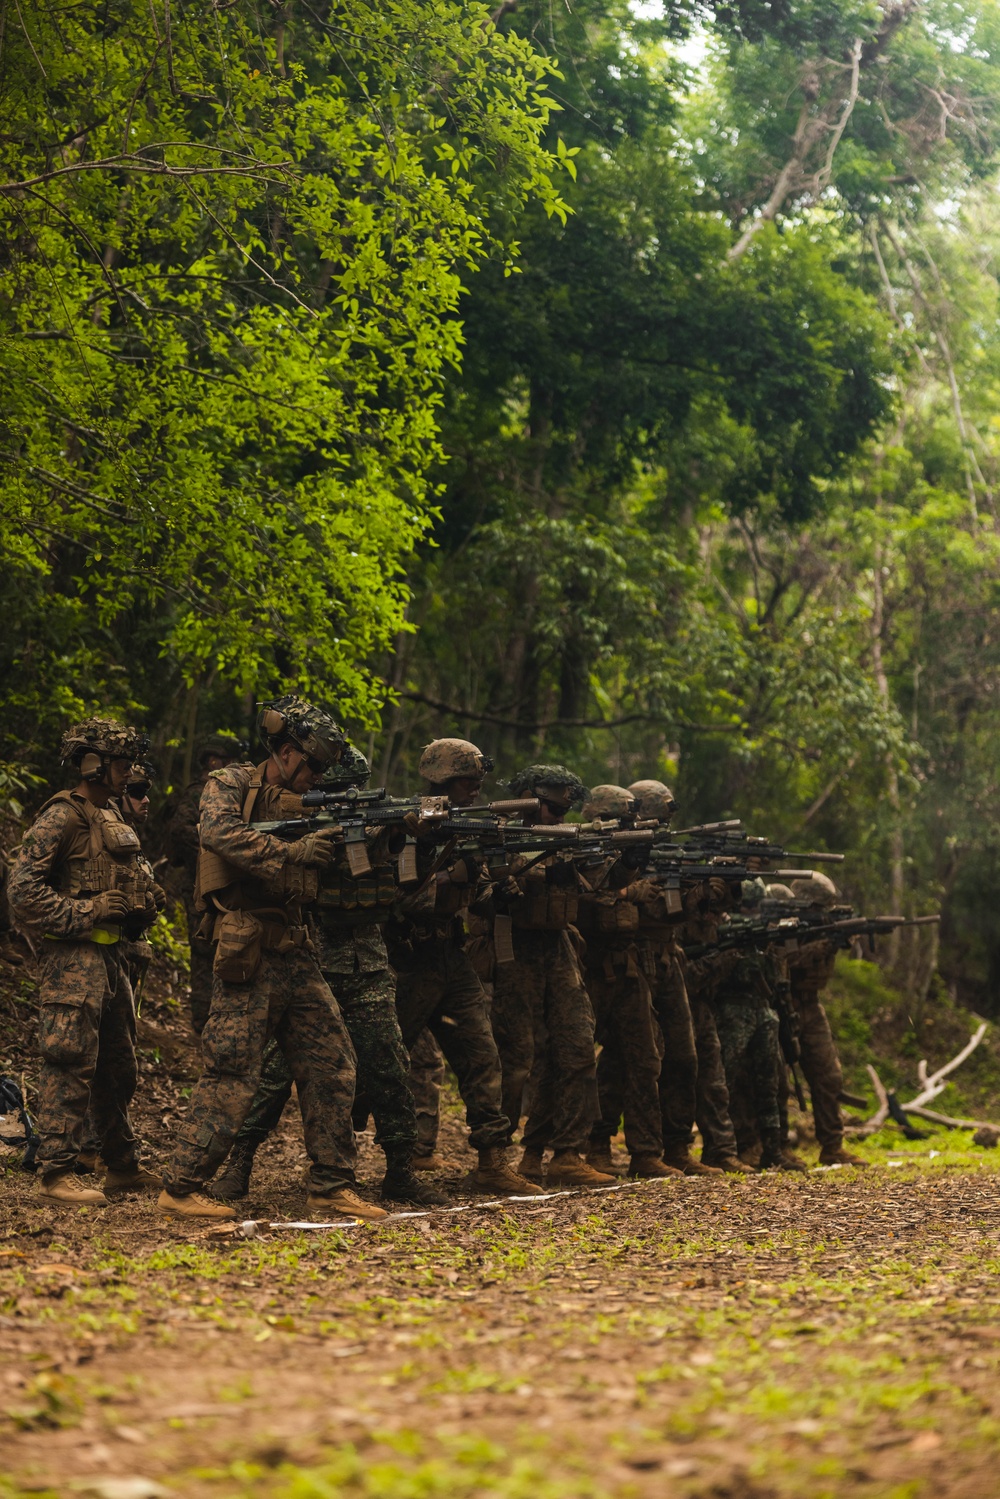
(826, 1334)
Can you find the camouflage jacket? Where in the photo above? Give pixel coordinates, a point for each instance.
(259, 857)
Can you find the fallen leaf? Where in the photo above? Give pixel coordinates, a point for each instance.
(53, 1269)
(925, 1441)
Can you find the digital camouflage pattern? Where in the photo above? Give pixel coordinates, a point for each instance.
(35, 903)
(287, 999)
(86, 1038)
(438, 988)
(751, 1057)
(86, 1016)
(678, 1081)
(367, 1004)
(426, 1079)
(809, 972)
(544, 1027)
(626, 1029)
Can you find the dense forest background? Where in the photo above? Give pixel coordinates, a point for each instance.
(603, 381)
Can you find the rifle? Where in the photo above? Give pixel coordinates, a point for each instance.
(351, 813)
(731, 838)
(12, 1102)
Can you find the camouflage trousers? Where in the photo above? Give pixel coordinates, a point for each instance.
(86, 1037)
(202, 953)
(751, 1056)
(544, 1025)
(712, 1097)
(820, 1063)
(367, 1004)
(437, 988)
(678, 1082)
(289, 999)
(628, 1070)
(426, 1080)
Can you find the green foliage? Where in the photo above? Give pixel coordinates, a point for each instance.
(234, 255)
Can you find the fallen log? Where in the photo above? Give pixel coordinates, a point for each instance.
(931, 1085)
(948, 1120)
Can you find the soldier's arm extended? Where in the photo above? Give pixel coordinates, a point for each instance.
(35, 904)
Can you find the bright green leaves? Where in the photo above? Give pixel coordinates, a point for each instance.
(228, 309)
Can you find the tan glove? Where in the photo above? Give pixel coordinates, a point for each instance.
(316, 849)
(159, 898)
(110, 905)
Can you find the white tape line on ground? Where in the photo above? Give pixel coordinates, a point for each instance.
(252, 1226)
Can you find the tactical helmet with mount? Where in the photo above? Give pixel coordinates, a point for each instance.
(309, 728)
(752, 892)
(352, 769)
(608, 801)
(550, 782)
(818, 889)
(94, 743)
(779, 892)
(446, 760)
(655, 799)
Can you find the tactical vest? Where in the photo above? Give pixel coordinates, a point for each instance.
(357, 900)
(221, 885)
(104, 853)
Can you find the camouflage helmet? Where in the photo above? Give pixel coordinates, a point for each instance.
(352, 769)
(446, 760)
(104, 737)
(608, 801)
(779, 892)
(552, 782)
(308, 727)
(752, 892)
(654, 800)
(224, 744)
(818, 889)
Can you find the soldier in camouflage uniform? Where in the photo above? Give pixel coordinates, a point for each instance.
(77, 888)
(214, 753)
(426, 1079)
(704, 903)
(617, 972)
(809, 971)
(134, 804)
(661, 915)
(436, 984)
(267, 981)
(542, 1016)
(347, 923)
(748, 1025)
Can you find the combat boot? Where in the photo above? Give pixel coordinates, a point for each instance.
(684, 1162)
(650, 1167)
(599, 1156)
(344, 1203)
(791, 1161)
(836, 1155)
(567, 1168)
(530, 1166)
(493, 1175)
(234, 1182)
(194, 1205)
(772, 1157)
(137, 1178)
(731, 1165)
(401, 1185)
(67, 1190)
(433, 1162)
